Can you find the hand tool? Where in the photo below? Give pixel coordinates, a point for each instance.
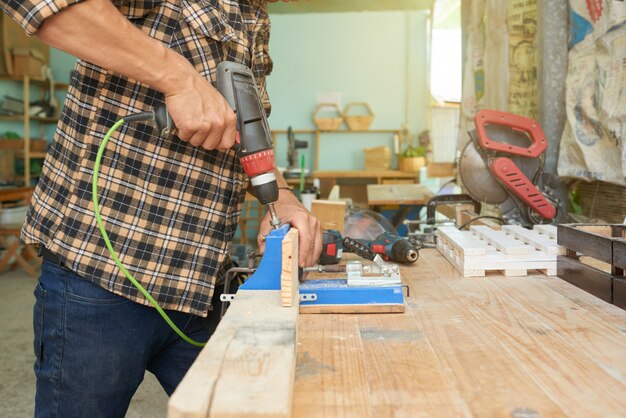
(255, 149)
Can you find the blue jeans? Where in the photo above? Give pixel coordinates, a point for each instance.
(93, 347)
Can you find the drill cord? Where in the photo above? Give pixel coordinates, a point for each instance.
(96, 209)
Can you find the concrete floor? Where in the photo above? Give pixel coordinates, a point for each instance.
(17, 379)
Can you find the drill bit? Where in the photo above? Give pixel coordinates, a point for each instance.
(275, 220)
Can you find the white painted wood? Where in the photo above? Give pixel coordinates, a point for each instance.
(549, 230)
(539, 241)
(500, 240)
(462, 241)
(492, 259)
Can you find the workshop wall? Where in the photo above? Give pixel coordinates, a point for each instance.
(376, 57)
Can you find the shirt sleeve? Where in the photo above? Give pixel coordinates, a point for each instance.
(31, 14)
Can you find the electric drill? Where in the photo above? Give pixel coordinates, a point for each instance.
(255, 150)
(390, 247)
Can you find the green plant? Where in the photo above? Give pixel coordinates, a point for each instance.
(412, 152)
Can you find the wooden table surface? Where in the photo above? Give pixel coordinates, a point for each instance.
(517, 347)
(398, 194)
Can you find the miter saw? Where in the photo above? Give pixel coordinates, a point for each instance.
(503, 165)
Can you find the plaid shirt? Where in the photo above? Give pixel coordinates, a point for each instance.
(171, 209)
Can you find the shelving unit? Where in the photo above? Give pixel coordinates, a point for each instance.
(25, 153)
(318, 133)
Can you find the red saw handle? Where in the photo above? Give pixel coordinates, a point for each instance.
(515, 122)
(508, 173)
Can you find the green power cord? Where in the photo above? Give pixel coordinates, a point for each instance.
(96, 209)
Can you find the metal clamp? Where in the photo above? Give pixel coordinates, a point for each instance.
(308, 297)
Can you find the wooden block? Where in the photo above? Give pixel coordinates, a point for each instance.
(619, 253)
(593, 281)
(500, 240)
(539, 241)
(619, 292)
(331, 214)
(289, 274)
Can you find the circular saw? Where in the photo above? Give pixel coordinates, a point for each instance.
(502, 164)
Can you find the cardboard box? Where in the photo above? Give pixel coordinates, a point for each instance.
(28, 62)
(13, 36)
(377, 158)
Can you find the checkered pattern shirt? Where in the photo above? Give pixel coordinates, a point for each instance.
(171, 209)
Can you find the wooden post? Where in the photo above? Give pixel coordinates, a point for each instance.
(247, 368)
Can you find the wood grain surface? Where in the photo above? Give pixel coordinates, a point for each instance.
(532, 346)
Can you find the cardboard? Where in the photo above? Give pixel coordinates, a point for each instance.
(13, 36)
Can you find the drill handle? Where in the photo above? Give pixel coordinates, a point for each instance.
(236, 83)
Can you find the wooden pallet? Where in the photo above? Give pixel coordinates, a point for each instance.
(513, 250)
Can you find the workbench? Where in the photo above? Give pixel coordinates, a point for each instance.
(491, 346)
(353, 183)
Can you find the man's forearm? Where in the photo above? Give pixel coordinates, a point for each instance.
(97, 32)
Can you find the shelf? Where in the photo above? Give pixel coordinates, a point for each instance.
(45, 119)
(33, 154)
(20, 118)
(57, 85)
(339, 131)
(11, 118)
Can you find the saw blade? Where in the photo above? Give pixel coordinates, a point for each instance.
(477, 180)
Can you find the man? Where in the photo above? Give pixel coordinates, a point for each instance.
(170, 204)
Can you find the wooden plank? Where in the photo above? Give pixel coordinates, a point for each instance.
(549, 230)
(247, 367)
(351, 309)
(542, 350)
(540, 242)
(289, 282)
(404, 374)
(462, 241)
(619, 292)
(480, 361)
(589, 240)
(331, 214)
(591, 280)
(330, 375)
(500, 240)
(619, 253)
(397, 194)
(602, 341)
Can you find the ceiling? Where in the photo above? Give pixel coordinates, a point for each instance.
(331, 6)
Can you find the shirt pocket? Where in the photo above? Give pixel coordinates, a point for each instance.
(206, 20)
(136, 9)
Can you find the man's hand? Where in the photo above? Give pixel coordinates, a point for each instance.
(201, 114)
(291, 211)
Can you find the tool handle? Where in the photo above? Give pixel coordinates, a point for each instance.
(358, 248)
(236, 83)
